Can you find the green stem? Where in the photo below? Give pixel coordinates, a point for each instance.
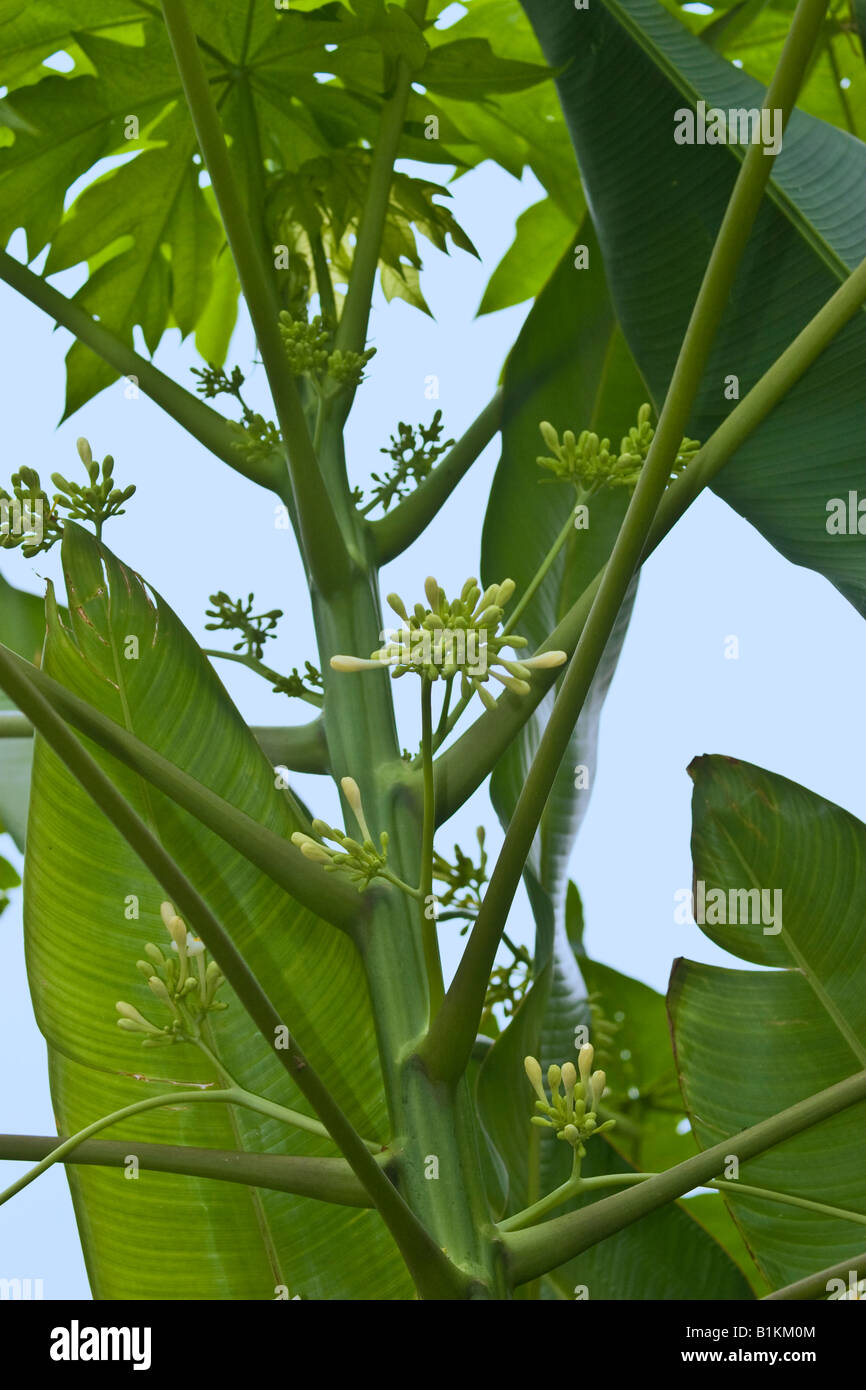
(338, 903)
(321, 539)
(324, 284)
(531, 1214)
(230, 1095)
(741, 1189)
(433, 1273)
(428, 922)
(198, 419)
(324, 1179)
(814, 1286)
(300, 747)
(266, 672)
(544, 1247)
(352, 330)
(541, 573)
(462, 769)
(574, 1188)
(395, 531)
(15, 726)
(137, 1108)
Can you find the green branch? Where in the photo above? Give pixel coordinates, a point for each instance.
(462, 769)
(541, 1248)
(320, 537)
(352, 328)
(814, 1286)
(267, 673)
(15, 726)
(200, 420)
(336, 902)
(395, 531)
(448, 1045)
(324, 1179)
(429, 933)
(299, 747)
(434, 1275)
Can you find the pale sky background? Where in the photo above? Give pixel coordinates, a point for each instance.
(792, 702)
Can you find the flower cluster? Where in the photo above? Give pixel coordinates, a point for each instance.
(233, 615)
(463, 879)
(184, 982)
(589, 463)
(414, 452)
(573, 1113)
(308, 352)
(455, 636)
(360, 862)
(30, 519)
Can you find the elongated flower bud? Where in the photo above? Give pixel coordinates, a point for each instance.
(554, 1076)
(584, 1061)
(354, 663)
(545, 660)
(569, 1081)
(84, 451)
(598, 1082)
(534, 1075)
(352, 793)
(167, 912)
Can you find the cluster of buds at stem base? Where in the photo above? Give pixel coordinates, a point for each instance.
(572, 1111)
(184, 982)
(361, 861)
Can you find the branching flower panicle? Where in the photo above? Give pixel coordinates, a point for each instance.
(183, 981)
(414, 452)
(453, 637)
(256, 438)
(590, 463)
(233, 615)
(463, 879)
(572, 1111)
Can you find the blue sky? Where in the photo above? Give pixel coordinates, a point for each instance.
(791, 702)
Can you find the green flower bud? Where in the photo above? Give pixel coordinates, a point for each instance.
(533, 1071)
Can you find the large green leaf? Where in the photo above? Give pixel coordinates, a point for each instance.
(299, 92)
(183, 1237)
(750, 1043)
(657, 207)
(22, 627)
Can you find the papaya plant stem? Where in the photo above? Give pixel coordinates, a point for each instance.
(575, 1186)
(321, 540)
(528, 1217)
(337, 902)
(541, 1248)
(432, 1272)
(15, 726)
(741, 1189)
(229, 1095)
(198, 419)
(260, 669)
(815, 1285)
(429, 933)
(352, 330)
(394, 532)
(324, 1179)
(540, 574)
(137, 1108)
(464, 766)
